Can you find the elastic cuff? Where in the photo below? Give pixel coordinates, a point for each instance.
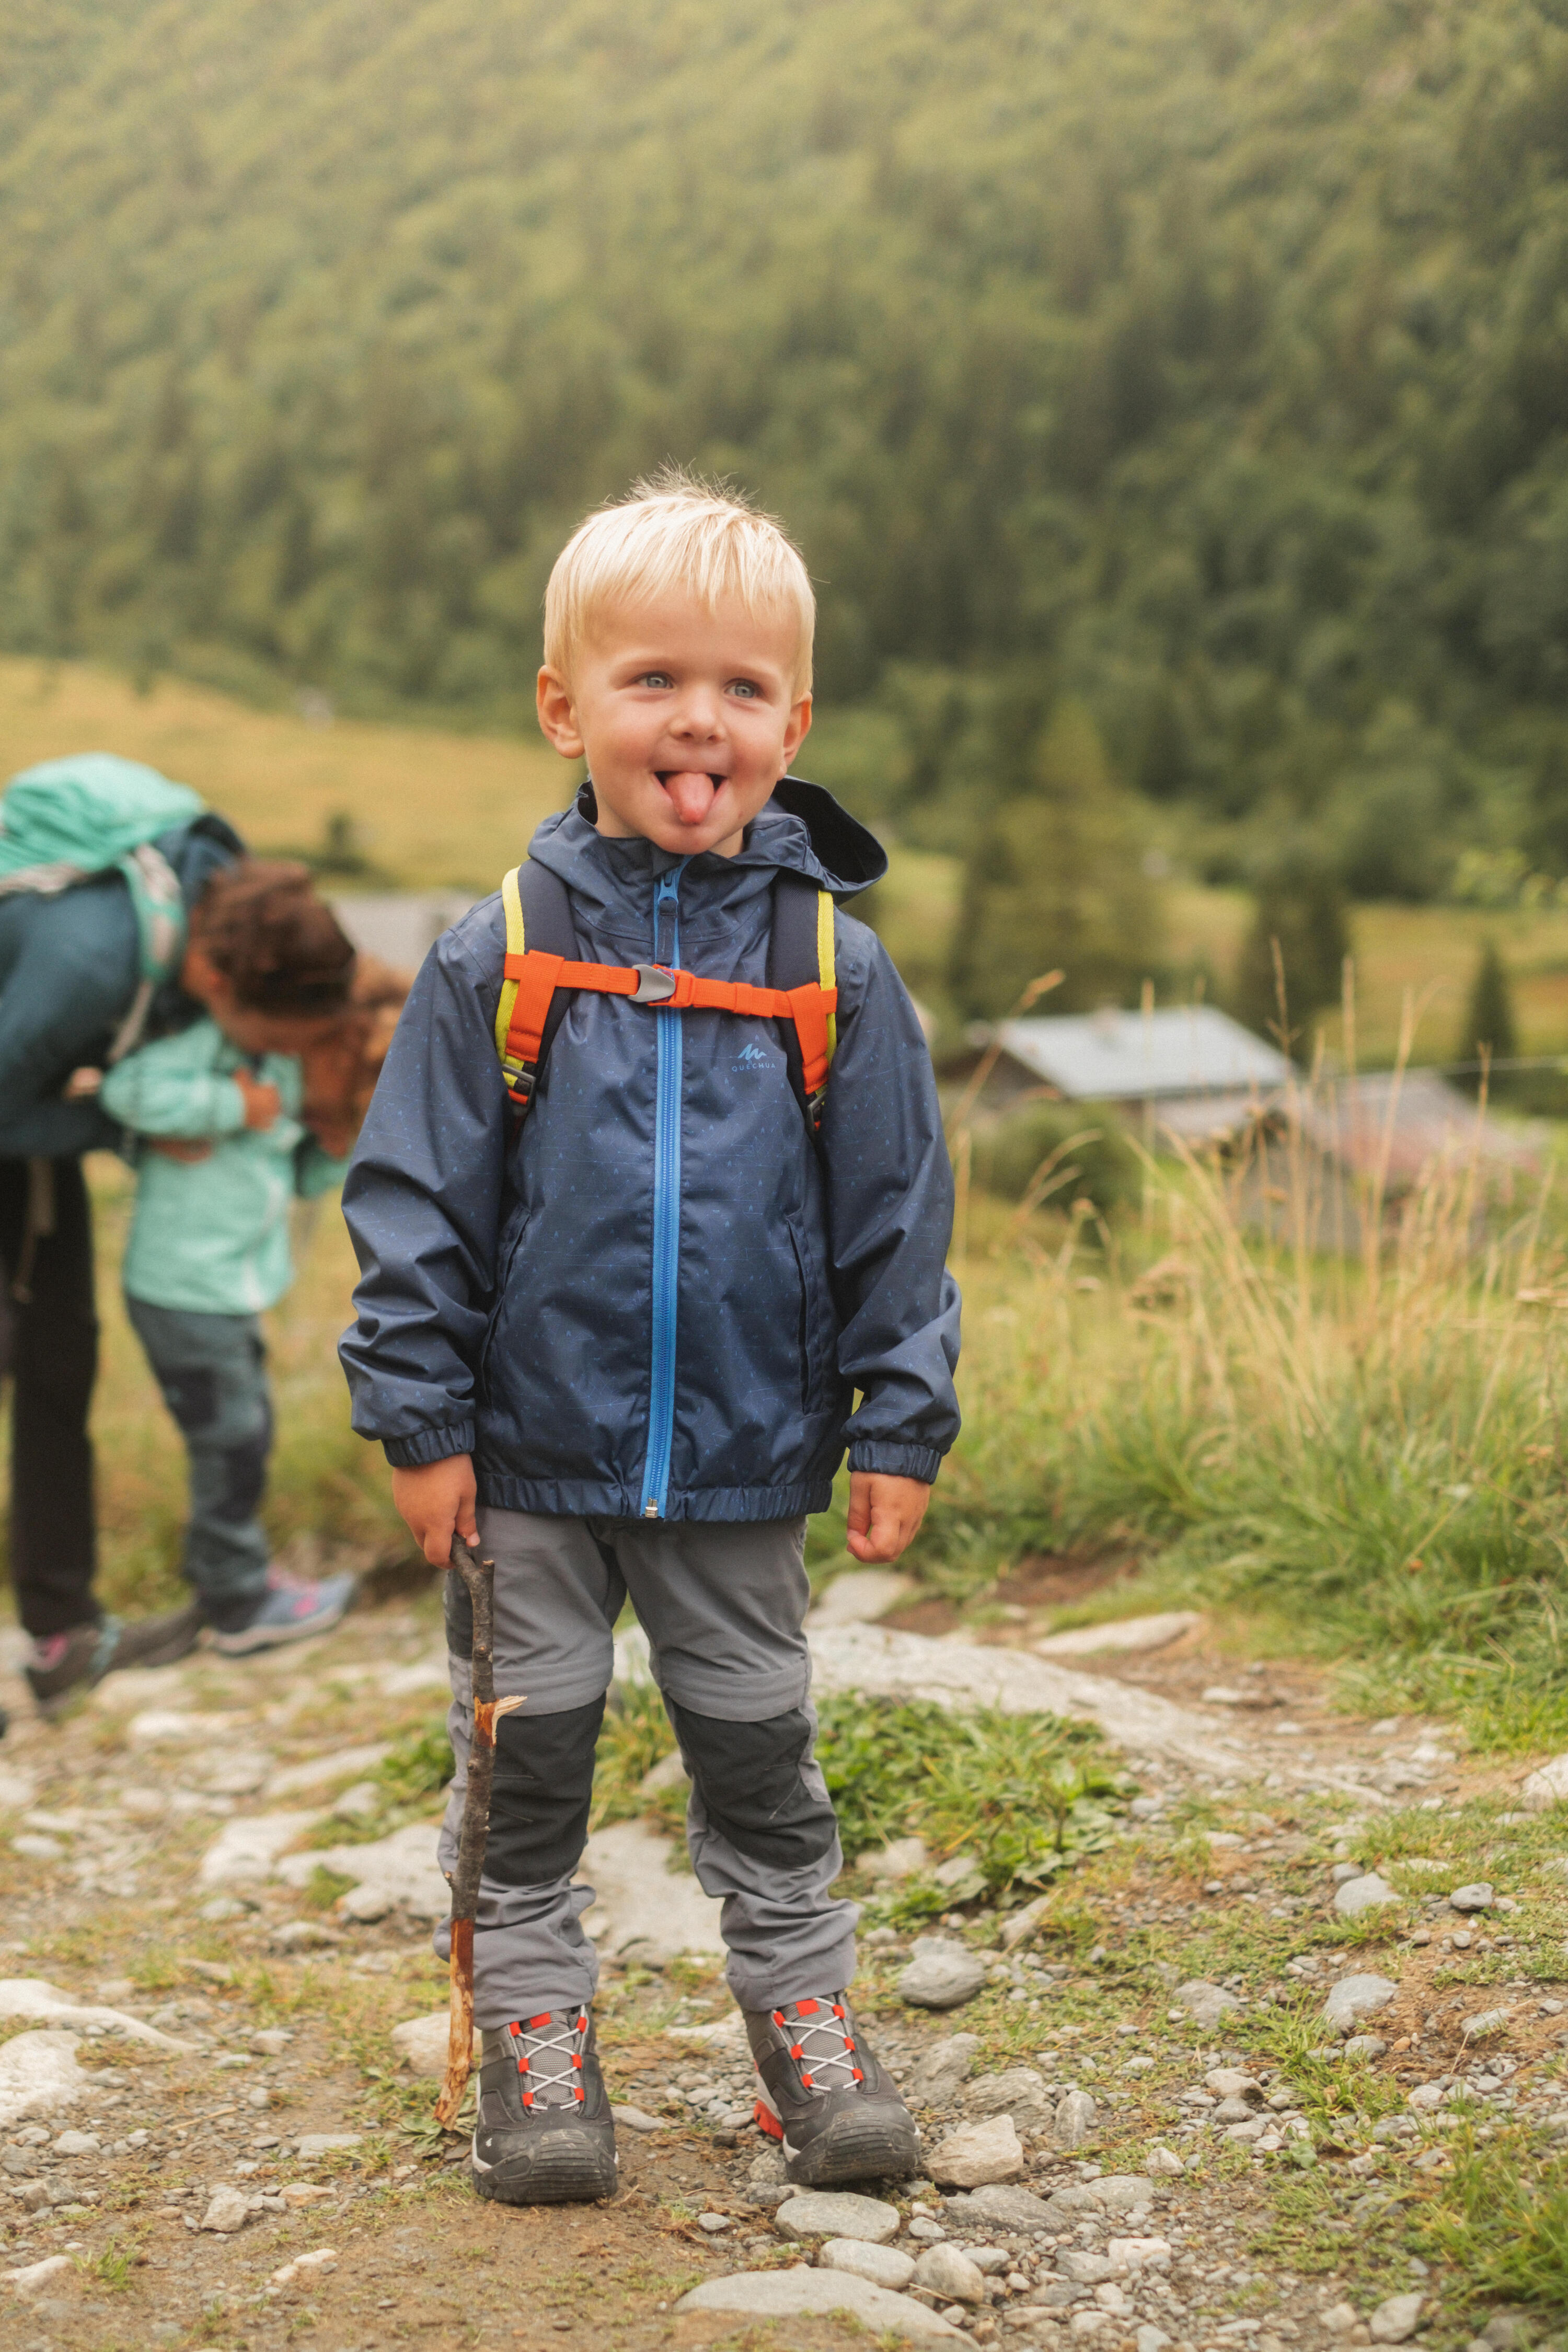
(887, 1461)
(430, 1445)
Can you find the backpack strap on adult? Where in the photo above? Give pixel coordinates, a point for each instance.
(801, 962)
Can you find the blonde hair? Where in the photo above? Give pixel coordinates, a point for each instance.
(673, 530)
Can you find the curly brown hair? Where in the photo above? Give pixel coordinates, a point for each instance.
(277, 944)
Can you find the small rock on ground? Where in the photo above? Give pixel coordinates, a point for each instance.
(1356, 1997)
(933, 2079)
(1019, 2092)
(882, 2265)
(1363, 1894)
(943, 2270)
(1547, 1787)
(942, 1975)
(1205, 2003)
(1076, 2120)
(226, 2210)
(1396, 2321)
(1478, 1897)
(978, 2153)
(828, 2213)
(788, 2294)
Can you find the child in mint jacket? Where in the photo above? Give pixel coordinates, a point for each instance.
(223, 1155)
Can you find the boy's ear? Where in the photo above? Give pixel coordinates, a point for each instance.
(797, 727)
(558, 714)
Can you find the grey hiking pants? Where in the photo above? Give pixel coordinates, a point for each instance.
(723, 1607)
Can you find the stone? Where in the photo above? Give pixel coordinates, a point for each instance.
(1355, 1997)
(643, 1909)
(361, 1802)
(34, 2276)
(1085, 2269)
(1020, 2093)
(33, 1848)
(831, 2214)
(1163, 2164)
(1019, 1925)
(957, 1673)
(882, 2265)
(328, 2143)
(32, 1997)
(221, 1908)
(227, 2209)
(635, 2118)
(1478, 1897)
(320, 1771)
(305, 1936)
(1077, 2119)
(1131, 1633)
(1232, 2111)
(858, 1597)
(245, 1850)
(306, 2266)
(272, 2041)
(1396, 2321)
(999, 2207)
(1485, 2022)
(942, 2270)
(1339, 2318)
(77, 2143)
(942, 1975)
(1366, 2046)
(669, 1772)
(422, 2043)
(903, 1858)
(402, 1868)
(1119, 2192)
(1150, 2339)
(1546, 1787)
(978, 2153)
(1204, 2002)
(238, 1773)
(1363, 1894)
(39, 2076)
(802, 2294)
(1230, 2082)
(367, 1904)
(714, 2224)
(935, 2077)
(1139, 2253)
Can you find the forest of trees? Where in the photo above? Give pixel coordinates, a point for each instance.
(1191, 374)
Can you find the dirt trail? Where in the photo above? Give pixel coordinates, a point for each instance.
(140, 1853)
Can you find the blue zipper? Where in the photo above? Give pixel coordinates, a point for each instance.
(666, 1205)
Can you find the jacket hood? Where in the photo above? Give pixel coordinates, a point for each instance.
(802, 829)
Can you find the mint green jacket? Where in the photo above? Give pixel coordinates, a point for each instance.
(212, 1235)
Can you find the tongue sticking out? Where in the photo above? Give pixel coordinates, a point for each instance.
(691, 794)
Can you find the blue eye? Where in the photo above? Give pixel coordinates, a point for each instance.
(744, 685)
(656, 678)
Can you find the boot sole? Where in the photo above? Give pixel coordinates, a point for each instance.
(567, 2167)
(857, 2147)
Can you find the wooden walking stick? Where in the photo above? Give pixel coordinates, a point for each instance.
(479, 1576)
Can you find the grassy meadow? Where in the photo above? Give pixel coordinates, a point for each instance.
(1254, 1428)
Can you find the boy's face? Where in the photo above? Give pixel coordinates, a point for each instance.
(687, 719)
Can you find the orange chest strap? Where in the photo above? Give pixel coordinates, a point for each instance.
(537, 975)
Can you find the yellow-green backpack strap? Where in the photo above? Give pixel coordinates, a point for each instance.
(826, 960)
(516, 945)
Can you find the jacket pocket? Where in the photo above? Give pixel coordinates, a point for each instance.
(510, 1249)
(818, 1327)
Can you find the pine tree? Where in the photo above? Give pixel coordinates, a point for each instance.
(1490, 1034)
(1301, 905)
(1056, 879)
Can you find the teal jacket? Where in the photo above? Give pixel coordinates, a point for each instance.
(212, 1235)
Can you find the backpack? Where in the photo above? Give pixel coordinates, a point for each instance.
(540, 962)
(69, 821)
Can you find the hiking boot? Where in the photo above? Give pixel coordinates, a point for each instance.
(66, 1665)
(823, 2096)
(543, 2134)
(285, 1612)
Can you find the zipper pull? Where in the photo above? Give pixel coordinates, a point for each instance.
(651, 1512)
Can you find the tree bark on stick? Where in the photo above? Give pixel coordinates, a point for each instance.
(479, 1577)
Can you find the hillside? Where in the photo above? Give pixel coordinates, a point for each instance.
(1206, 361)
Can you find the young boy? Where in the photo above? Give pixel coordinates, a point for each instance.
(224, 1156)
(617, 1339)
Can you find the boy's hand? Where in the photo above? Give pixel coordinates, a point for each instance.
(884, 1514)
(437, 1500)
(262, 1103)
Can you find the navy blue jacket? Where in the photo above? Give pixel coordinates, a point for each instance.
(660, 1298)
(70, 967)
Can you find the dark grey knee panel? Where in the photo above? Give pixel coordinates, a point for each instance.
(543, 1787)
(749, 1778)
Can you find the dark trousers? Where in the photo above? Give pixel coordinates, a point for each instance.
(212, 1369)
(48, 1345)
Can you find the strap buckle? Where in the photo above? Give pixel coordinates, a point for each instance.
(655, 985)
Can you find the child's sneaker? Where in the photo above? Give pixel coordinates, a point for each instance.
(285, 1612)
(543, 2134)
(825, 2099)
